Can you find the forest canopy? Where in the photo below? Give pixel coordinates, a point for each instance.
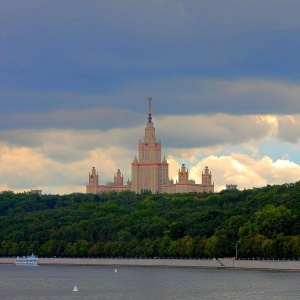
(261, 222)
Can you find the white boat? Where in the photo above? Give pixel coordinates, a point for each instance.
(31, 260)
(75, 289)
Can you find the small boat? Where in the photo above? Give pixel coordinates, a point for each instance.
(30, 260)
(116, 270)
(75, 289)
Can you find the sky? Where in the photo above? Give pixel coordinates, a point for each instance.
(75, 76)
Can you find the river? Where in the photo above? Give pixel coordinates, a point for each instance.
(49, 282)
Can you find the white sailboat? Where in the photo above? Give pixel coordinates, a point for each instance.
(75, 289)
(116, 270)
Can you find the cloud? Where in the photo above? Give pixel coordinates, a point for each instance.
(97, 118)
(200, 134)
(289, 129)
(247, 96)
(177, 132)
(22, 167)
(246, 171)
(128, 105)
(58, 161)
(74, 81)
(27, 168)
(207, 131)
(102, 47)
(161, 14)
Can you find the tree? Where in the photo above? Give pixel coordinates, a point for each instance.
(213, 247)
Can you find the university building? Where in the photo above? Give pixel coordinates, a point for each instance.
(151, 172)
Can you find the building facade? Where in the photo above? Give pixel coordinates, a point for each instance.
(231, 186)
(150, 172)
(186, 185)
(93, 186)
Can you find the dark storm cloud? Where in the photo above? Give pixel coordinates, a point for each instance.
(99, 47)
(185, 96)
(91, 65)
(103, 119)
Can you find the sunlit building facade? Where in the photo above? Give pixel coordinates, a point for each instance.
(231, 186)
(186, 185)
(93, 186)
(150, 172)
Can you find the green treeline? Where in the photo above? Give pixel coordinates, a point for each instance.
(262, 222)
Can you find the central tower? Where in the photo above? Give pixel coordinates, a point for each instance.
(149, 172)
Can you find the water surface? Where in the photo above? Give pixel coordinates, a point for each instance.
(96, 282)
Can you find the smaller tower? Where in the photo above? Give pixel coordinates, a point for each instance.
(183, 174)
(118, 179)
(206, 177)
(93, 177)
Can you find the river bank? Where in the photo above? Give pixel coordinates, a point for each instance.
(280, 265)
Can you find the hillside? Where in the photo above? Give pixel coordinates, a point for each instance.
(262, 222)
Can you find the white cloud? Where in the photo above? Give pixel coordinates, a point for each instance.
(26, 168)
(246, 171)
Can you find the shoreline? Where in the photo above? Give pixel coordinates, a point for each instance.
(219, 263)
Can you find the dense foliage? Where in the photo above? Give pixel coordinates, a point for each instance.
(261, 222)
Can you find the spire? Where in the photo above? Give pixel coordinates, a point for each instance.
(149, 110)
